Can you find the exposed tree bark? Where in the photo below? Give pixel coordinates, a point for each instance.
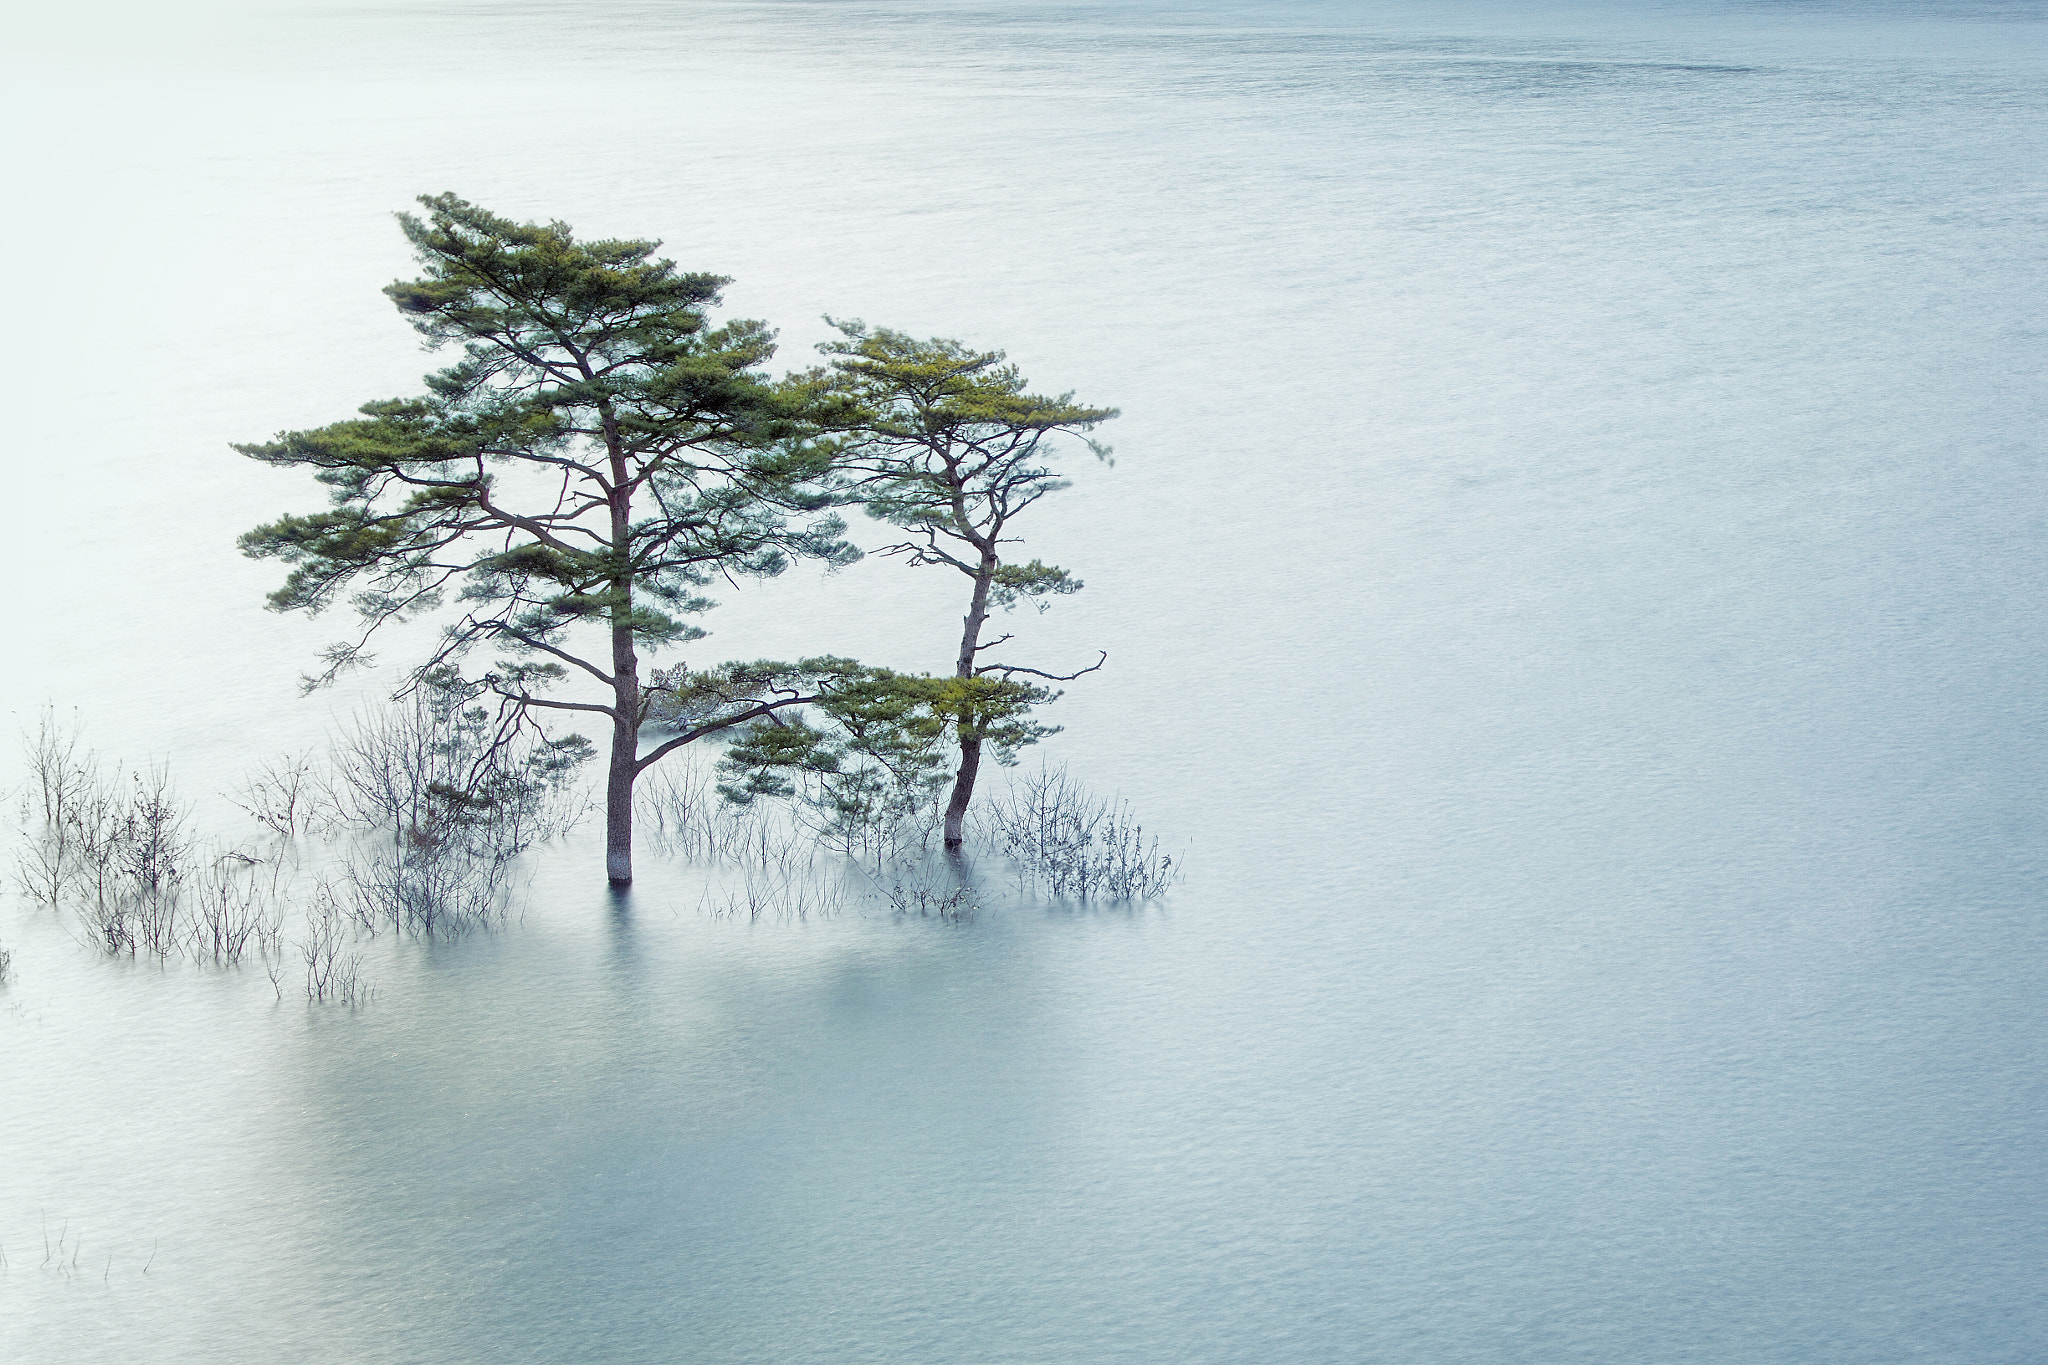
(963, 790)
(967, 727)
(625, 757)
(618, 803)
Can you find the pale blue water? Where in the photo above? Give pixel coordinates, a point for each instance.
(1572, 574)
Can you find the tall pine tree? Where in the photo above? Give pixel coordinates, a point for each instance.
(599, 454)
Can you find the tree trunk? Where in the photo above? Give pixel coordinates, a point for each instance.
(618, 804)
(625, 766)
(968, 723)
(963, 791)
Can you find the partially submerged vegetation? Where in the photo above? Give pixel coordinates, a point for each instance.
(1074, 844)
(415, 823)
(563, 496)
(947, 444)
(602, 455)
(117, 853)
(419, 812)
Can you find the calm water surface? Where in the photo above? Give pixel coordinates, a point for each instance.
(1572, 576)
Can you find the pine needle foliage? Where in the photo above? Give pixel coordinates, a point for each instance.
(568, 490)
(948, 444)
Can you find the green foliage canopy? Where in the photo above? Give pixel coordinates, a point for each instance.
(948, 444)
(598, 456)
(601, 452)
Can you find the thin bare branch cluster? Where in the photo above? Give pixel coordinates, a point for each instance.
(781, 893)
(908, 886)
(689, 819)
(1076, 844)
(236, 905)
(289, 795)
(334, 969)
(424, 891)
(121, 857)
(912, 887)
(459, 791)
(457, 798)
(432, 769)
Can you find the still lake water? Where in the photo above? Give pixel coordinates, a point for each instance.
(1572, 576)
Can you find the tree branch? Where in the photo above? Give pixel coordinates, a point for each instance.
(527, 699)
(523, 638)
(1007, 669)
(760, 709)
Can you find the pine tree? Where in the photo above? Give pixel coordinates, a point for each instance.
(597, 457)
(944, 442)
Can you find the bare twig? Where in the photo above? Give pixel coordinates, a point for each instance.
(1007, 669)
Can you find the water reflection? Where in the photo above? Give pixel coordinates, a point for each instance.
(567, 1123)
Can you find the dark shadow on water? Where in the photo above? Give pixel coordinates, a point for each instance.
(620, 900)
(961, 866)
(621, 926)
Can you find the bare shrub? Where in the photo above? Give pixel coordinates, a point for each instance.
(424, 893)
(385, 765)
(461, 793)
(1076, 844)
(287, 795)
(86, 828)
(64, 784)
(458, 798)
(43, 868)
(235, 905)
(119, 859)
(684, 810)
(785, 895)
(154, 852)
(122, 857)
(57, 770)
(109, 926)
(909, 889)
(690, 819)
(772, 844)
(101, 825)
(431, 768)
(132, 858)
(154, 922)
(333, 967)
(272, 957)
(424, 890)
(801, 892)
